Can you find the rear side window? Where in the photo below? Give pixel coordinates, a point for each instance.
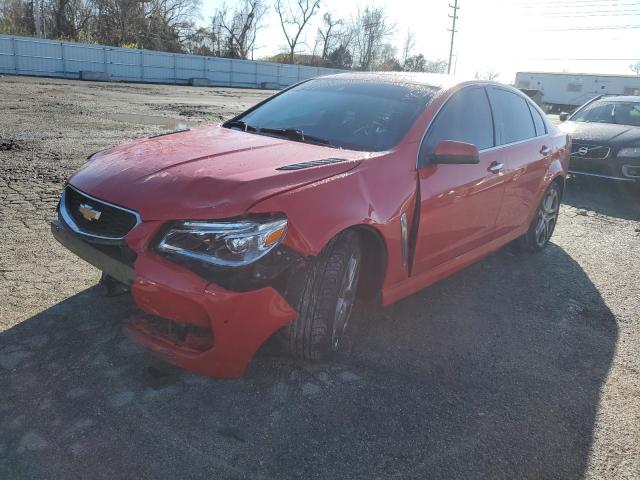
(512, 117)
(466, 117)
(541, 128)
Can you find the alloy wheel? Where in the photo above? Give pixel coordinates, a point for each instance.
(547, 216)
(346, 299)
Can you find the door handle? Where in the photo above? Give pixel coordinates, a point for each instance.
(495, 167)
(545, 150)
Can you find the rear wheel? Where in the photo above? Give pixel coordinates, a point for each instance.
(325, 301)
(544, 222)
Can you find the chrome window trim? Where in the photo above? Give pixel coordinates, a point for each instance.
(71, 224)
(496, 147)
(610, 177)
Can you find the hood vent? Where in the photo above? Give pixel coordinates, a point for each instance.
(170, 133)
(312, 163)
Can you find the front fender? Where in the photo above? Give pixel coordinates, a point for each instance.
(375, 194)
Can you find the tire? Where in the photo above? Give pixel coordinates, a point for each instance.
(325, 300)
(544, 221)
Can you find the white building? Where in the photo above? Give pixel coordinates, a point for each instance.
(569, 90)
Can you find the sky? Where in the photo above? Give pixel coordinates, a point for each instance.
(504, 36)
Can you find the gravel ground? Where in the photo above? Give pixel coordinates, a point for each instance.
(521, 366)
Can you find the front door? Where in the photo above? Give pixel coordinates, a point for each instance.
(459, 203)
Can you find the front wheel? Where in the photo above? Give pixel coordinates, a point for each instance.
(325, 301)
(544, 222)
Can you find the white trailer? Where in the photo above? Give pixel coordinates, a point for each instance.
(569, 90)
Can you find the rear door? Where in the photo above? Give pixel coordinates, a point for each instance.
(459, 203)
(526, 149)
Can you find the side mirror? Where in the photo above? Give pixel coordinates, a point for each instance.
(564, 116)
(449, 152)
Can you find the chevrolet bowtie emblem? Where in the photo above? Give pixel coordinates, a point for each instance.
(89, 213)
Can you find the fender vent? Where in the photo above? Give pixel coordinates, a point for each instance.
(312, 163)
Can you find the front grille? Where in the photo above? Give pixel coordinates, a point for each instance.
(112, 222)
(591, 166)
(590, 152)
(181, 335)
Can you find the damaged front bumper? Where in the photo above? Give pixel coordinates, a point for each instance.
(192, 322)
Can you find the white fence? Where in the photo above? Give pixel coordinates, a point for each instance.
(50, 58)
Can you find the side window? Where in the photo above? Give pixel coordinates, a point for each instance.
(466, 117)
(512, 117)
(541, 128)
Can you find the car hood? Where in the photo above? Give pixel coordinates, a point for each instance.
(208, 172)
(602, 133)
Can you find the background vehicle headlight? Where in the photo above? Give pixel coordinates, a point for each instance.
(631, 152)
(225, 243)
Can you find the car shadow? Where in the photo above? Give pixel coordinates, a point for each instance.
(495, 372)
(615, 199)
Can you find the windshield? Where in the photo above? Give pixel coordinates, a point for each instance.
(352, 114)
(603, 111)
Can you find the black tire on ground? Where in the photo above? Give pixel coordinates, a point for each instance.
(321, 300)
(544, 221)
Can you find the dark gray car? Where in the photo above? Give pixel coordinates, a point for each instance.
(606, 138)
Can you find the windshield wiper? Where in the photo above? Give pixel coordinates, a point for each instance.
(294, 134)
(241, 124)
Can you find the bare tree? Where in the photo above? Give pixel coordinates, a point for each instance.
(217, 35)
(415, 63)
(18, 17)
(436, 66)
(409, 43)
(635, 67)
(327, 33)
(371, 29)
(240, 27)
(294, 19)
(168, 23)
(340, 53)
(387, 60)
(164, 25)
(314, 51)
(67, 18)
(490, 74)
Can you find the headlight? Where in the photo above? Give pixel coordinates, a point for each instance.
(226, 243)
(631, 152)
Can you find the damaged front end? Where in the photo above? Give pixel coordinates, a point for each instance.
(203, 315)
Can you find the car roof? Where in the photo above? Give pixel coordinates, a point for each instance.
(438, 80)
(621, 98)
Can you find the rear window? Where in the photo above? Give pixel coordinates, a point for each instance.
(353, 114)
(541, 128)
(512, 117)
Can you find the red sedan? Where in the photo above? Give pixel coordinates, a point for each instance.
(352, 186)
